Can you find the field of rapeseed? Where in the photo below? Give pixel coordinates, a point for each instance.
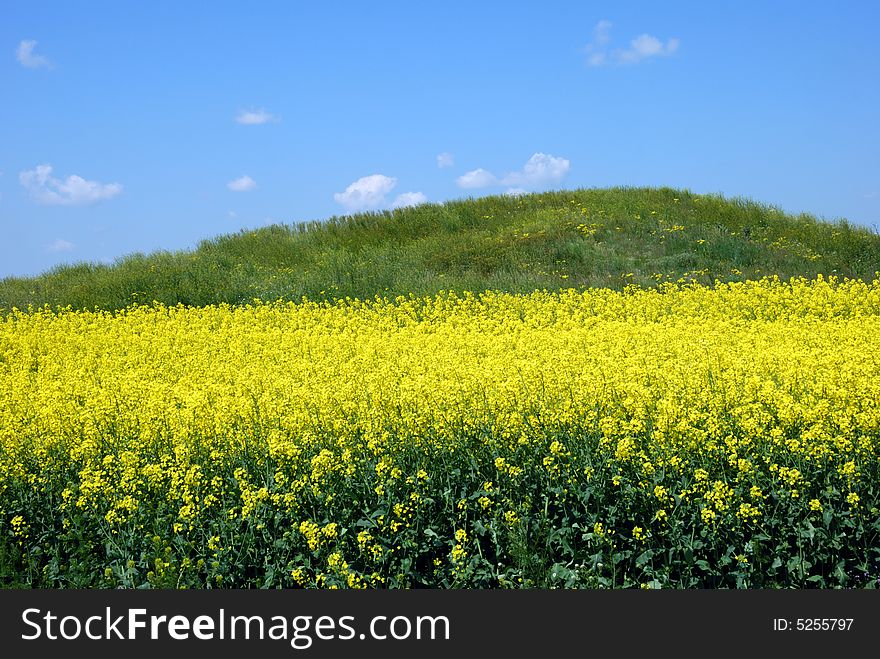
(687, 436)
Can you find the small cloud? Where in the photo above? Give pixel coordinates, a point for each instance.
(366, 193)
(597, 59)
(243, 184)
(255, 117)
(477, 178)
(869, 195)
(641, 48)
(28, 59)
(408, 199)
(515, 192)
(602, 33)
(445, 160)
(60, 246)
(72, 191)
(232, 215)
(596, 55)
(541, 169)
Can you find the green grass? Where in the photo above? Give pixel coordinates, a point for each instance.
(565, 239)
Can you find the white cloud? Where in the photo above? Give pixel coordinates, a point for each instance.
(232, 215)
(515, 192)
(60, 246)
(477, 178)
(243, 184)
(254, 117)
(597, 59)
(72, 191)
(596, 55)
(26, 57)
(602, 33)
(541, 169)
(641, 48)
(408, 199)
(445, 160)
(366, 193)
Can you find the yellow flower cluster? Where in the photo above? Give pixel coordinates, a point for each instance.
(684, 386)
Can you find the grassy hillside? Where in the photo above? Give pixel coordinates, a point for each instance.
(580, 238)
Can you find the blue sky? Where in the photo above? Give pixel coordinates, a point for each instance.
(134, 127)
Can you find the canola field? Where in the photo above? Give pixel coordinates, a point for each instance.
(685, 436)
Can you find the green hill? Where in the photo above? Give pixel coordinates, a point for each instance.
(565, 239)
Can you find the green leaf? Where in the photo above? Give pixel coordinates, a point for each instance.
(644, 557)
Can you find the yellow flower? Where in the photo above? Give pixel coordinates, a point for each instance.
(299, 575)
(312, 533)
(19, 526)
(336, 562)
(748, 513)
